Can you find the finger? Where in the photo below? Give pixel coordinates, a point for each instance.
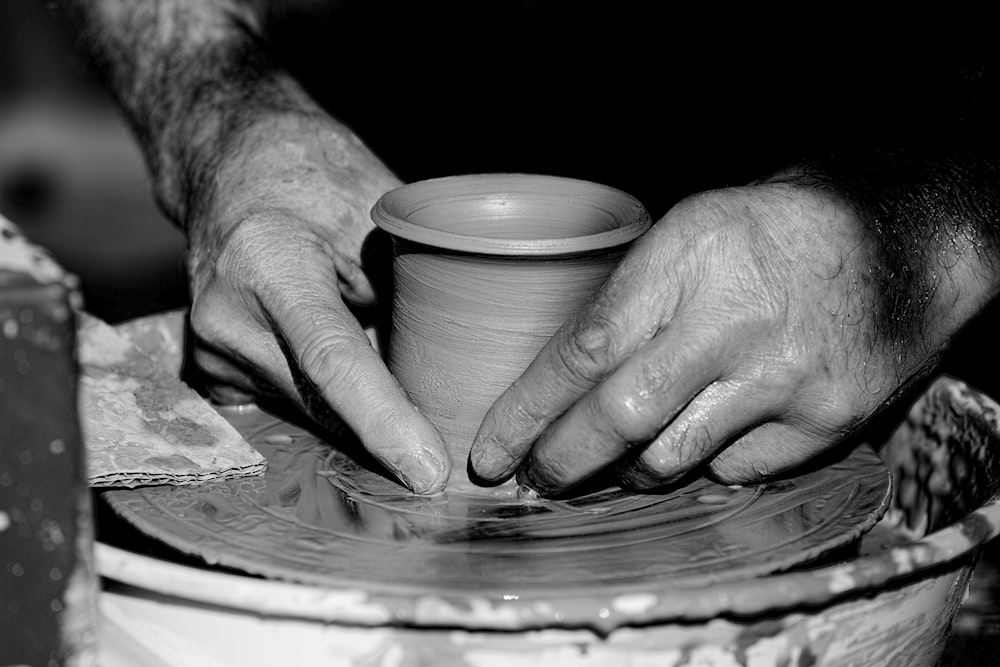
(630, 408)
(335, 356)
(319, 349)
(352, 281)
(768, 450)
(721, 413)
(622, 318)
(225, 394)
(228, 383)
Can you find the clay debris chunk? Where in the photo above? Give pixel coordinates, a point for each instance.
(142, 425)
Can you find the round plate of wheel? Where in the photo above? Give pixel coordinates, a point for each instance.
(321, 517)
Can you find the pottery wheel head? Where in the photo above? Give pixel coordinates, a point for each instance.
(318, 516)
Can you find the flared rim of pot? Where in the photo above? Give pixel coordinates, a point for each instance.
(501, 214)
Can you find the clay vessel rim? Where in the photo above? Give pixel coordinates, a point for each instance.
(393, 209)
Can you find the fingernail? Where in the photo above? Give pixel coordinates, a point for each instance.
(422, 472)
(481, 461)
(490, 462)
(477, 457)
(525, 478)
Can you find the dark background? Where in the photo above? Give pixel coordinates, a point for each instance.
(71, 176)
(659, 108)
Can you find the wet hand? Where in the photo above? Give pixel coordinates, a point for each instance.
(277, 279)
(740, 333)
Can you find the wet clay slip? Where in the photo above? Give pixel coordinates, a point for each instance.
(487, 268)
(319, 517)
(347, 563)
(377, 577)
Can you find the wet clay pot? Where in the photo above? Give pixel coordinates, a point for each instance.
(487, 268)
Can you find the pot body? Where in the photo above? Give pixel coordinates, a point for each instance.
(486, 269)
(464, 327)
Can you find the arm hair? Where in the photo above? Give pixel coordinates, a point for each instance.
(188, 75)
(928, 197)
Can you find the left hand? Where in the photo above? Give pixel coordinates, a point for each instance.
(742, 332)
(278, 280)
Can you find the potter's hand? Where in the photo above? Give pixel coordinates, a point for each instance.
(276, 268)
(274, 197)
(745, 331)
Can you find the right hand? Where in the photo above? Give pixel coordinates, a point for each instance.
(276, 268)
(745, 332)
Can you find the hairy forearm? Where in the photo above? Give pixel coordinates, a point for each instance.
(930, 213)
(191, 76)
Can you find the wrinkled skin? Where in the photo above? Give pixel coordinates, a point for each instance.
(740, 332)
(749, 330)
(276, 276)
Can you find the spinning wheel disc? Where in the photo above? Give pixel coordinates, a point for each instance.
(320, 518)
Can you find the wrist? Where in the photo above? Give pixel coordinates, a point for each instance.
(187, 151)
(921, 289)
(185, 73)
(290, 165)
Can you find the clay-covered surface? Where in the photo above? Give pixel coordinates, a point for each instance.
(318, 517)
(948, 439)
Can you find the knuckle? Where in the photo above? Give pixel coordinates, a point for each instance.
(519, 406)
(587, 352)
(832, 414)
(691, 445)
(248, 239)
(808, 398)
(742, 464)
(621, 417)
(786, 363)
(201, 318)
(635, 474)
(768, 450)
(666, 459)
(650, 384)
(212, 364)
(655, 463)
(331, 360)
(780, 378)
(260, 249)
(209, 322)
